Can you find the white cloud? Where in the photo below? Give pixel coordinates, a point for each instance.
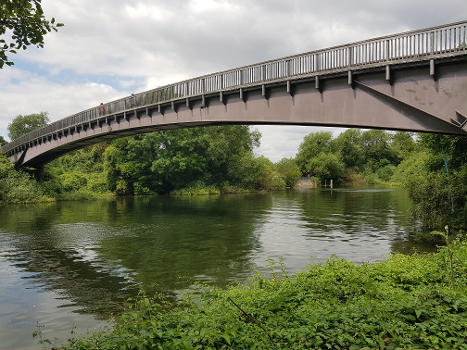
(282, 141)
(24, 92)
(141, 11)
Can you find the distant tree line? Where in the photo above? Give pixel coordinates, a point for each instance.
(373, 153)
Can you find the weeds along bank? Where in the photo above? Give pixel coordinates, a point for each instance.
(407, 302)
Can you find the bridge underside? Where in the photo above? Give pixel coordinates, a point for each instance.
(407, 98)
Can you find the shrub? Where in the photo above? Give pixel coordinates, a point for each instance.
(17, 186)
(73, 181)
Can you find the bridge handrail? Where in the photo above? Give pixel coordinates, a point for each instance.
(431, 42)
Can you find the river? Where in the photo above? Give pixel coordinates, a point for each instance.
(67, 266)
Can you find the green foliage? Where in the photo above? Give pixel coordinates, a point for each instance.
(312, 145)
(348, 145)
(431, 194)
(316, 156)
(187, 161)
(376, 146)
(452, 148)
(386, 172)
(288, 171)
(197, 189)
(406, 302)
(17, 186)
(79, 172)
(326, 166)
(185, 158)
(403, 144)
(412, 166)
(438, 196)
(374, 153)
(22, 23)
(22, 124)
(86, 160)
(255, 173)
(2, 141)
(72, 181)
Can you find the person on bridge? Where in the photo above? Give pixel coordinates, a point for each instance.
(101, 109)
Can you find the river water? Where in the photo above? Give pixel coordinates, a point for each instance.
(68, 266)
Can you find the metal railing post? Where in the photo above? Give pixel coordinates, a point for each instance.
(432, 42)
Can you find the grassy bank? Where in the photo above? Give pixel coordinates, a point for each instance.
(406, 302)
(216, 190)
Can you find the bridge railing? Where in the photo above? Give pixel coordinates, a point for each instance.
(436, 42)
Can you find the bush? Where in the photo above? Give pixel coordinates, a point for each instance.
(326, 166)
(17, 186)
(386, 172)
(97, 183)
(73, 181)
(255, 173)
(288, 171)
(438, 199)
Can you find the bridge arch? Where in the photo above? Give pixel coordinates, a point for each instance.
(414, 81)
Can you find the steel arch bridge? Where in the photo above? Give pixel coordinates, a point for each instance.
(414, 81)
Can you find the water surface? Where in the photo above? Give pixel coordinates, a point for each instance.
(70, 265)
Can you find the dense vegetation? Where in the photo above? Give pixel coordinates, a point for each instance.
(373, 154)
(185, 161)
(407, 302)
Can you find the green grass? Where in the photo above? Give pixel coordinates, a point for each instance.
(83, 194)
(196, 190)
(406, 302)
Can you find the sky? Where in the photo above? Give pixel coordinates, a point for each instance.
(112, 48)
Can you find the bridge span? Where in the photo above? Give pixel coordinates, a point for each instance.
(414, 81)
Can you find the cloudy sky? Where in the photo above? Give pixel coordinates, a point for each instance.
(111, 48)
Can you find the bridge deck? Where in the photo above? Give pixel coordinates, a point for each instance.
(447, 42)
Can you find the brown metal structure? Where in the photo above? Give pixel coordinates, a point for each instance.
(415, 81)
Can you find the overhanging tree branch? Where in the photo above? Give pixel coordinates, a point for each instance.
(24, 24)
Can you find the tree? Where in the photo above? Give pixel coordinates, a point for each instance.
(445, 148)
(289, 171)
(22, 23)
(23, 124)
(326, 166)
(376, 145)
(2, 141)
(348, 144)
(167, 160)
(403, 144)
(312, 145)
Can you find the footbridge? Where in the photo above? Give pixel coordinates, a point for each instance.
(414, 81)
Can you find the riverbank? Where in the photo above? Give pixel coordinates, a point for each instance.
(409, 301)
